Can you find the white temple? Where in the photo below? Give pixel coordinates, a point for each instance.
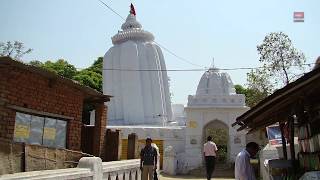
(134, 73)
(213, 108)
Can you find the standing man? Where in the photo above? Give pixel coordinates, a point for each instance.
(243, 169)
(210, 152)
(148, 160)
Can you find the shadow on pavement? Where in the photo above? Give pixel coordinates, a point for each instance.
(166, 176)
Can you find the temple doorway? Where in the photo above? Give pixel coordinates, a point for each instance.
(219, 131)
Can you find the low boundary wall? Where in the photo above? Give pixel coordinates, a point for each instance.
(89, 168)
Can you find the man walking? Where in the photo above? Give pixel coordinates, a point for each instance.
(210, 152)
(148, 160)
(243, 169)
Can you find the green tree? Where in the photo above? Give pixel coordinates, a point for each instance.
(15, 49)
(61, 67)
(89, 78)
(281, 63)
(97, 66)
(240, 89)
(280, 59)
(258, 87)
(253, 95)
(36, 63)
(92, 76)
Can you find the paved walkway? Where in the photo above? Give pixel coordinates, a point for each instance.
(166, 177)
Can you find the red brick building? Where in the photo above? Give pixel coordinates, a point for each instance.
(40, 107)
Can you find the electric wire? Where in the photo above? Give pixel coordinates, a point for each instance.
(112, 10)
(163, 47)
(202, 69)
(181, 58)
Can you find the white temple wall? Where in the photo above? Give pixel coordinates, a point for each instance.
(118, 103)
(148, 84)
(165, 82)
(107, 80)
(193, 155)
(197, 119)
(131, 83)
(172, 136)
(156, 102)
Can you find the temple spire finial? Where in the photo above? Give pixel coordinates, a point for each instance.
(212, 64)
(132, 10)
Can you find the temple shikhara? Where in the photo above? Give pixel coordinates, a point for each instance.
(141, 97)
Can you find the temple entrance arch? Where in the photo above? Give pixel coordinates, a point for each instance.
(219, 131)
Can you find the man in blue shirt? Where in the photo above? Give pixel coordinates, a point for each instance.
(148, 160)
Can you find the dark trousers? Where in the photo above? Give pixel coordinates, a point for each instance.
(210, 164)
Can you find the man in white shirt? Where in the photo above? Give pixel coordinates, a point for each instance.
(210, 152)
(243, 169)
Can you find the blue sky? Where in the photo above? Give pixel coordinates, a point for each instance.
(80, 30)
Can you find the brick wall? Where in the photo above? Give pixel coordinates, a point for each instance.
(30, 90)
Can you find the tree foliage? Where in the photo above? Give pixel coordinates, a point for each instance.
(15, 49)
(240, 89)
(36, 63)
(253, 95)
(281, 63)
(61, 67)
(280, 58)
(97, 66)
(91, 76)
(257, 88)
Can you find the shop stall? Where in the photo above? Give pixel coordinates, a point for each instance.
(296, 108)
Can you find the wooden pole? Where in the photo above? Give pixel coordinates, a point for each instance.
(291, 141)
(284, 144)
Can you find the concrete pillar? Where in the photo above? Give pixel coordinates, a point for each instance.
(170, 161)
(138, 177)
(127, 175)
(93, 163)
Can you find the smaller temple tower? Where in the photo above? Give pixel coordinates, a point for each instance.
(211, 111)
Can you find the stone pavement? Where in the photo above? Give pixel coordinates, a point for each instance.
(221, 172)
(178, 177)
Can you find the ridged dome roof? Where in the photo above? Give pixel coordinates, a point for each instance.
(214, 82)
(132, 30)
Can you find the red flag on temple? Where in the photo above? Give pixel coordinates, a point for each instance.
(132, 11)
